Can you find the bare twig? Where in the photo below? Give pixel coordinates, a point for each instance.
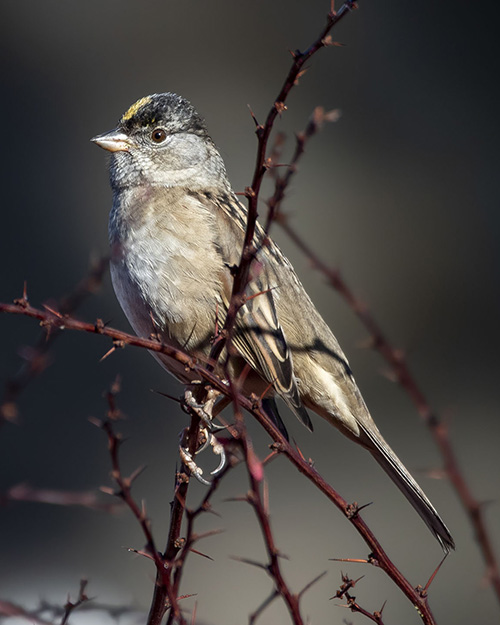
(165, 595)
(124, 489)
(378, 556)
(172, 561)
(7, 608)
(262, 164)
(407, 381)
(315, 123)
(351, 603)
(254, 497)
(37, 357)
(85, 499)
(71, 606)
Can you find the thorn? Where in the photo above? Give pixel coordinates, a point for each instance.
(248, 298)
(378, 613)
(253, 117)
(328, 41)
(364, 506)
(193, 594)
(135, 474)
(236, 498)
(273, 454)
(108, 353)
(423, 592)
(52, 311)
(358, 560)
(23, 300)
(117, 344)
(208, 534)
(193, 614)
(311, 583)
(298, 449)
(281, 106)
(203, 555)
(176, 399)
(299, 75)
(259, 565)
(140, 552)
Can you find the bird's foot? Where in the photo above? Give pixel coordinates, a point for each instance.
(203, 410)
(189, 461)
(206, 437)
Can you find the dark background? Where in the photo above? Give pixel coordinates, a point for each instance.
(401, 194)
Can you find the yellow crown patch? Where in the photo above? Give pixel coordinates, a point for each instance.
(134, 108)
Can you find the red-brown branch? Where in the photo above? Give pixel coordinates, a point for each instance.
(407, 381)
(394, 357)
(37, 358)
(249, 250)
(378, 556)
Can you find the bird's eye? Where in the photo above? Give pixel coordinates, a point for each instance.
(158, 135)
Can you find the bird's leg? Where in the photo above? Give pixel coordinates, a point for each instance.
(205, 413)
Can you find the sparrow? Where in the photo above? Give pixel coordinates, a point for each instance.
(176, 231)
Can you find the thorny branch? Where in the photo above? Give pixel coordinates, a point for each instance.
(71, 606)
(177, 549)
(351, 603)
(85, 499)
(47, 613)
(37, 357)
(378, 556)
(166, 593)
(123, 483)
(393, 356)
(258, 503)
(262, 164)
(12, 610)
(9, 609)
(318, 118)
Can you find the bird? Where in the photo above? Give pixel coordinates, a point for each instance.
(176, 232)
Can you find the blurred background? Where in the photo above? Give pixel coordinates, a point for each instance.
(401, 194)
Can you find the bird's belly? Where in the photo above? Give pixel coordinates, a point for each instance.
(162, 294)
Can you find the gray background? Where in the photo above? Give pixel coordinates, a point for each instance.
(401, 194)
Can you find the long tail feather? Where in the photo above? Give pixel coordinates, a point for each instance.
(395, 469)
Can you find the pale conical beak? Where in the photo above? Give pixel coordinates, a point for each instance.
(113, 141)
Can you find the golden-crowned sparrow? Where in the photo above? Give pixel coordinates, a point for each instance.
(176, 230)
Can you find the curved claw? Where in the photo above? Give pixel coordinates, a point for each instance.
(207, 442)
(219, 451)
(194, 469)
(214, 427)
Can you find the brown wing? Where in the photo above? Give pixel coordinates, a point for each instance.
(260, 340)
(258, 335)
